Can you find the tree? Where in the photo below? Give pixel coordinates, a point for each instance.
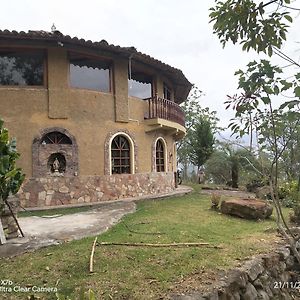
(201, 141)
(229, 161)
(201, 123)
(261, 27)
(11, 177)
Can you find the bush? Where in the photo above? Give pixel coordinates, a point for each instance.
(295, 216)
(254, 184)
(288, 194)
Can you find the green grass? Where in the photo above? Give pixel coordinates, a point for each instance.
(56, 211)
(144, 273)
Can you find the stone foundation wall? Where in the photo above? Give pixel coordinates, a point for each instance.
(268, 276)
(51, 191)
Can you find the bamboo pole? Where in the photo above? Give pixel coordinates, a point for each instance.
(160, 245)
(92, 256)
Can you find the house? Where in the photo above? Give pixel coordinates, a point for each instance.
(93, 121)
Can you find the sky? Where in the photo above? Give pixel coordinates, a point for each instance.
(175, 32)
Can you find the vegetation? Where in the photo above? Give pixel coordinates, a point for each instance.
(262, 27)
(56, 211)
(11, 177)
(231, 165)
(145, 273)
(201, 123)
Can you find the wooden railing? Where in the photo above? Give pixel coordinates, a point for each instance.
(165, 109)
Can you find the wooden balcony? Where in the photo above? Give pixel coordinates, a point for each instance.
(165, 114)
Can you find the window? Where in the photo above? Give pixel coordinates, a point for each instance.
(139, 85)
(167, 92)
(56, 138)
(21, 67)
(160, 156)
(120, 155)
(139, 89)
(89, 73)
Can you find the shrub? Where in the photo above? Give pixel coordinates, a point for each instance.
(254, 184)
(288, 194)
(215, 201)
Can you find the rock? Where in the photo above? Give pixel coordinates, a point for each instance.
(251, 293)
(263, 192)
(253, 269)
(247, 208)
(263, 295)
(42, 196)
(64, 189)
(284, 252)
(237, 279)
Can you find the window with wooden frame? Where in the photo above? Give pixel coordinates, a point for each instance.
(167, 92)
(160, 156)
(22, 67)
(120, 155)
(92, 73)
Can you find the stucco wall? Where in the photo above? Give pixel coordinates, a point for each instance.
(89, 116)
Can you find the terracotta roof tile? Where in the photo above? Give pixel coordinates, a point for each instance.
(176, 74)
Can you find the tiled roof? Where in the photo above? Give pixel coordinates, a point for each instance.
(175, 74)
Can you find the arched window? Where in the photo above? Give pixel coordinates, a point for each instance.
(120, 155)
(56, 138)
(160, 156)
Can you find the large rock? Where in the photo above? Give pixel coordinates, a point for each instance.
(247, 208)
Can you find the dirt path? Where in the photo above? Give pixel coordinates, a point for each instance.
(44, 231)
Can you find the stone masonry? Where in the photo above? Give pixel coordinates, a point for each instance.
(268, 276)
(52, 191)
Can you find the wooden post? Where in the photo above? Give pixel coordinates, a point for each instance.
(2, 235)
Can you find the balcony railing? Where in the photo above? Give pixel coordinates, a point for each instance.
(165, 109)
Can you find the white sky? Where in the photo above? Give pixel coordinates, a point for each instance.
(176, 32)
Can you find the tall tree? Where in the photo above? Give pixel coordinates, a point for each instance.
(195, 116)
(201, 141)
(261, 27)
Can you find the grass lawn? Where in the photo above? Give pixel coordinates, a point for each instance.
(56, 211)
(144, 273)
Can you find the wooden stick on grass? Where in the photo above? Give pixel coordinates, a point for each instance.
(92, 256)
(159, 245)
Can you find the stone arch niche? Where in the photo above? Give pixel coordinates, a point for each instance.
(54, 144)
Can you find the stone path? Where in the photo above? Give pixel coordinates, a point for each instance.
(44, 231)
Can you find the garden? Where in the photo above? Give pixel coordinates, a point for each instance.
(128, 272)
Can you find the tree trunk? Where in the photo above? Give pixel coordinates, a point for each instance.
(235, 174)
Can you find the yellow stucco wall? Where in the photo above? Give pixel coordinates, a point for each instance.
(88, 115)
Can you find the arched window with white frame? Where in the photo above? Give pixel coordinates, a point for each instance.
(160, 155)
(121, 155)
